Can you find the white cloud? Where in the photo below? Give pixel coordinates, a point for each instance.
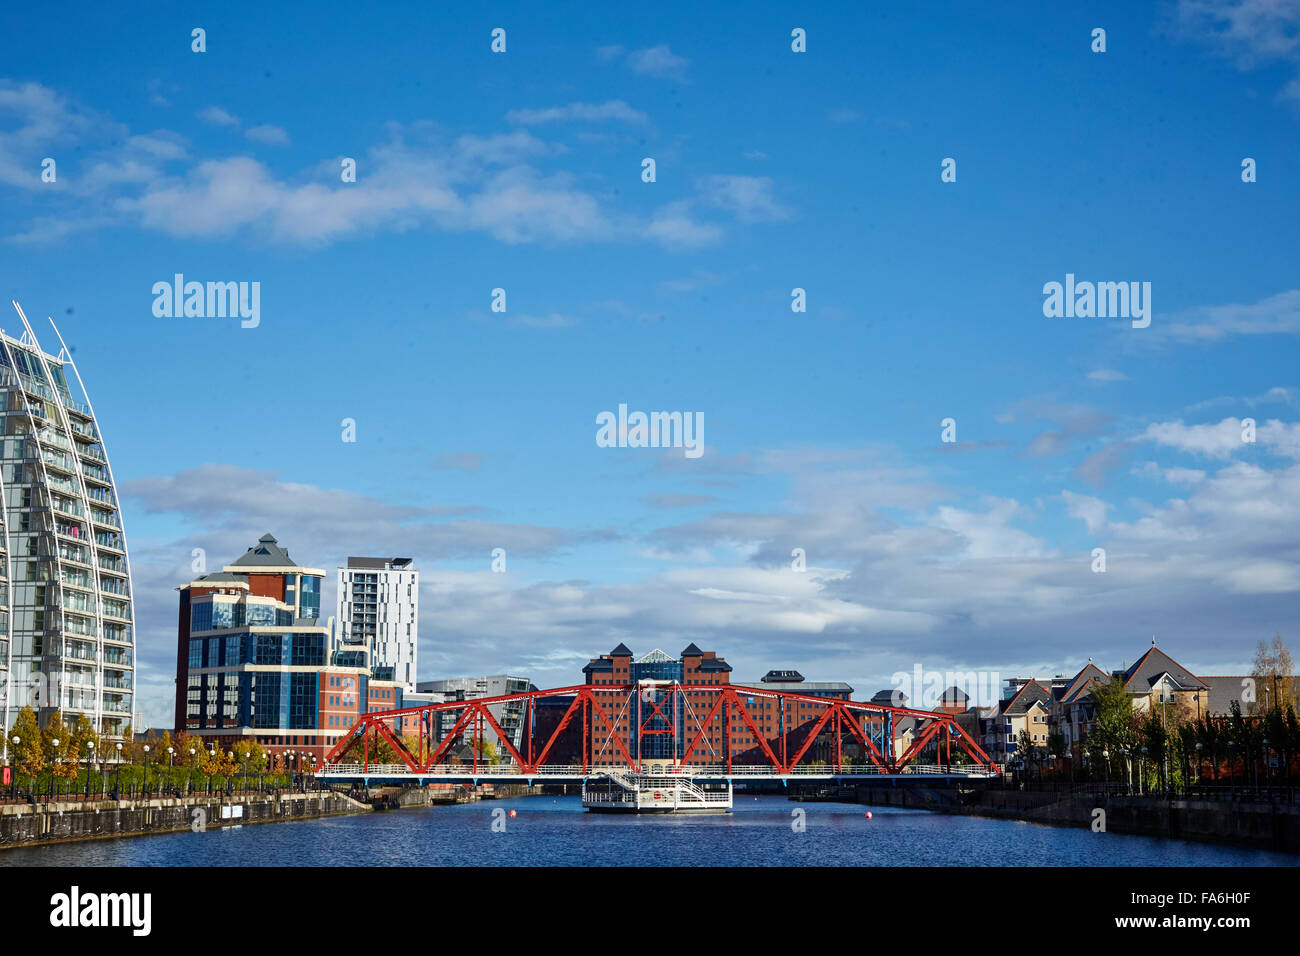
(418, 179)
(673, 225)
(1252, 33)
(1091, 511)
(216, 116)
(1106, 375)
(898, 571)
(586, 112)
(1225, 439)
(658, 61)
(748, 198)
(34, 121)
(265, 133)
(1277, 315)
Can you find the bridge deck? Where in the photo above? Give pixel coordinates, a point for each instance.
(400, 773)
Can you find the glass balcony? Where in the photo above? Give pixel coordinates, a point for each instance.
(78, 651)
(117, 610)
(86, 429)
(96, 472)
(68, 507)
(79, 579)
(69, 552)
(113, 541)
(122, 633)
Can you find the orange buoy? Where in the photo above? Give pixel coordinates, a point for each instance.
(868, 814)
(512, 813)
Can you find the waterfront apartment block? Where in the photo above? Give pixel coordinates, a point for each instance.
(255, 661)
(1057, 713)
(67, 638)
(379, 611)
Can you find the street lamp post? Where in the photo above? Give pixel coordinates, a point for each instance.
(54, 787)
(1164, 749)
(90, 764)
(117, 775)
(212, 753)
(189, 786)
(1232, 763)
(13, 780)
(230, 784)
(170, 752)
(1199, 765)
(1266, 766)
(146, 771)
(1142, 763)
(1105, 764)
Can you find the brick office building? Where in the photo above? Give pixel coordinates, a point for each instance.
(657, 721)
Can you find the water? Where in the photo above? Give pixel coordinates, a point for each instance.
(555, 831)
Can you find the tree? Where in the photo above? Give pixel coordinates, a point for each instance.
(28, 756)
(211, 758)
(184, 743)
(1153, 737)
(1210, 735)
(56, 729)
(1114, 727)
(1056, 744)
(250, 753)
(83, 736)
(132, 749)
(1273, 670)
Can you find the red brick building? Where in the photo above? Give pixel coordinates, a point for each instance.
(657, 704)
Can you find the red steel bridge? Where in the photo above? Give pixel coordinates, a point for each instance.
(703, 731)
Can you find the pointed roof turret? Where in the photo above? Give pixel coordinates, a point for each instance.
(267, 552)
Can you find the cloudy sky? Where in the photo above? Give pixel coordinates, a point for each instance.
(775, 170)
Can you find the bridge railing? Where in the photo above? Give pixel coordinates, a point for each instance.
(577, 771)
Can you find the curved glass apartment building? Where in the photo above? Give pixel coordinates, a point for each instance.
(66, 613)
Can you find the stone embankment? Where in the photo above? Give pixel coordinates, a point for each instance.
(1262, 825)
(24, 824)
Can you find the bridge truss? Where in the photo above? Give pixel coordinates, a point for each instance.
(665, 726)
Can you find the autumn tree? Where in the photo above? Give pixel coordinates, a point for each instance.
(64, 753)
(487, 749)
(28, 756)
(84, 740)
(184, 743)
(1273, 670)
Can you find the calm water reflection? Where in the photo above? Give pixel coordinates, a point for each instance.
(555, 831)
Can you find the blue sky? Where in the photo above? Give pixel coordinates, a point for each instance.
(775, 170)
